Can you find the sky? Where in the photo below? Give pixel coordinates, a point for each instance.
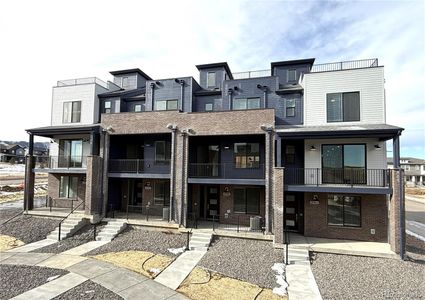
(46, 41)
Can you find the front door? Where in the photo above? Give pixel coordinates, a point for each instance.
(294, 209)
(213, 197)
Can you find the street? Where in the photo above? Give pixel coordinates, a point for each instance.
(415, 216)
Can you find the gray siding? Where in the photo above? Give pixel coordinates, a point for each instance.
(132, 81)
(201, 101)
(282, 72)
(219, 77)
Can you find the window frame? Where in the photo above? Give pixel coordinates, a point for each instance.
(245, 193)
(165, 200)
(292, 107)
(207, 104)
(71, 114)
(166, 105)
(246, 102)
(342, 107)
(343, 211)
(167, 154)
(69, 181)
(255, 164)
(289, 72)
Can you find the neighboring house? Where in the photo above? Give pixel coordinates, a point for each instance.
(301, 145)
(414, 170)
(12, 153)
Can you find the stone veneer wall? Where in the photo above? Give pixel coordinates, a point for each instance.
(278, 208)
(394, 211)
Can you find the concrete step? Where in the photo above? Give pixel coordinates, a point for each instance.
(111, 230)
(200, 239)
(198, 244)
(198, 248)
(201, 234)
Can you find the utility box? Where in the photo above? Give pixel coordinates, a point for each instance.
(255, 223)
(165, 213)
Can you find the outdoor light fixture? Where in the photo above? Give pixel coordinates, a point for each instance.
(312, 148)
(377, 147)
(266, 127)
(259, 86)
(226, 147)
(158, 82)
(236, 88)
(171, 126)
(230, 91)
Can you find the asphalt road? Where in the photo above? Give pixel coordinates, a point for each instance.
(415, 216)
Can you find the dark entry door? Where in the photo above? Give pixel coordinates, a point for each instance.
(294, 212)
(213, 200)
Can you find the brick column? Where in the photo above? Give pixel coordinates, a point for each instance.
(94, 177)
(269, 166)
(104, 154)
(396, 216)
(29, 175)
(180, 185)
(278, 210)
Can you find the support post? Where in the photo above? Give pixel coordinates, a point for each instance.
(278, 151)
(29, 176)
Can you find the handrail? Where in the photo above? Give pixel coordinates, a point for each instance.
(20, 213)
(60, 223)
(287, 241)
(194, 225)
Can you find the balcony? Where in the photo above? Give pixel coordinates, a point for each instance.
(61, 163)
(225, 173)
(252, 74)
(139, 167)
(307, 179)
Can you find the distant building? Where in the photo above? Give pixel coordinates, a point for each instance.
(414, 170)
(12, 153)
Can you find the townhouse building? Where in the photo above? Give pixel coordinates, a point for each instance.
(414, 170)
(301, 146)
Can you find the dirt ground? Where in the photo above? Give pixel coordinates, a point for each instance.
(9, 242)
(416, 192)
(146, 263)
(205, 285)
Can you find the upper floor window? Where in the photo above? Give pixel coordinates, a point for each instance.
(290, 107)
(139, 107)
(343, 107)
(292, 75)
(107, 107)
(246, 103)
(247, 155)
(124, 82)
(166, 104)
(162, 152)
(71, 112)
(211, 82)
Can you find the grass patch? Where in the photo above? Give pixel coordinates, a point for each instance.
(9, 242)
(138, 261)
(205, 285)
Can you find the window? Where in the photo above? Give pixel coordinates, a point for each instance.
(68, 187)
(211, 80)
(246, 200)
(138, 108)
(247, 155)
(124, 82)
(246, 103)
(71, 112)
(344, 211)
(290, 107)
(292, 75)
(166, 104)
(162, 152)
(209, 107)
(344, 164)
(289, 154)
(107, 106)
(343, 107)
(161, 193)
(70, 154)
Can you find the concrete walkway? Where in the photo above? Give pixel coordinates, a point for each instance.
(175, 273)
(335, 246)
(127, 284)
(301, 283)
(33, 246)
(85, 248)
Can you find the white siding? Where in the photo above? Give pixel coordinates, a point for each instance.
(86, 93)
(369, 82)
(54, 147)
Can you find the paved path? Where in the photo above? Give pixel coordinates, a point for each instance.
(175, 273)
(301, 283)
(127, 284)
(33, 246)
(85, 248)
(415, 217)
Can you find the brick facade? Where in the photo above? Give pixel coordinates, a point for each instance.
(278, 205)
(373, 216)
(94, 180)
(394, 211)
(54, 183)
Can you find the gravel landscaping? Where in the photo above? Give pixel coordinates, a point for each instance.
(16, 280)
(88, 290)
(82, 236)
(244, 259)
(27, 228)
(145, 240)
(355, 277)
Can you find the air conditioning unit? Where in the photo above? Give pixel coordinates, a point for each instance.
(255, 223)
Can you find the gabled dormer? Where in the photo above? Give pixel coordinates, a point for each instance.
(130, 79)
(211, 76)
(290, 71)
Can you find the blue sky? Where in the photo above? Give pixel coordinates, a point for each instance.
(52, 40)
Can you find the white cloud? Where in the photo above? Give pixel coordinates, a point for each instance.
(45, 41)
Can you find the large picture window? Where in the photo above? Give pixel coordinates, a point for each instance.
(70, 154)
(343, 107)
(162, 193)
(344, 164)
(166, 104)
(246, 103)
(247, 155)
(162, 152)
(246, 200)
(344, 210)
(68, 187)
(71, 112)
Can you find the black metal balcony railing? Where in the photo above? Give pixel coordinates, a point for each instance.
(337, 176)
(345, 65)
(139, 166)
(226, 171)
(61, 162)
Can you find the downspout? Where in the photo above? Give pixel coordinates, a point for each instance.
(152, 95)
(181, 82)
(230, 92)
(265, 97)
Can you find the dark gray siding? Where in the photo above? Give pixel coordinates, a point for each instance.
(219, 77)
(282, 72)
(201, 101)
(279, 104)
(132, 81)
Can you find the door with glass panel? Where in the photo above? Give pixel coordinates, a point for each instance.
(70, 154)
(293, 213)
(344, 164)
(213, 195)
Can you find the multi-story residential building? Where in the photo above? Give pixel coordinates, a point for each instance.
(414, 170)
(301, 145)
